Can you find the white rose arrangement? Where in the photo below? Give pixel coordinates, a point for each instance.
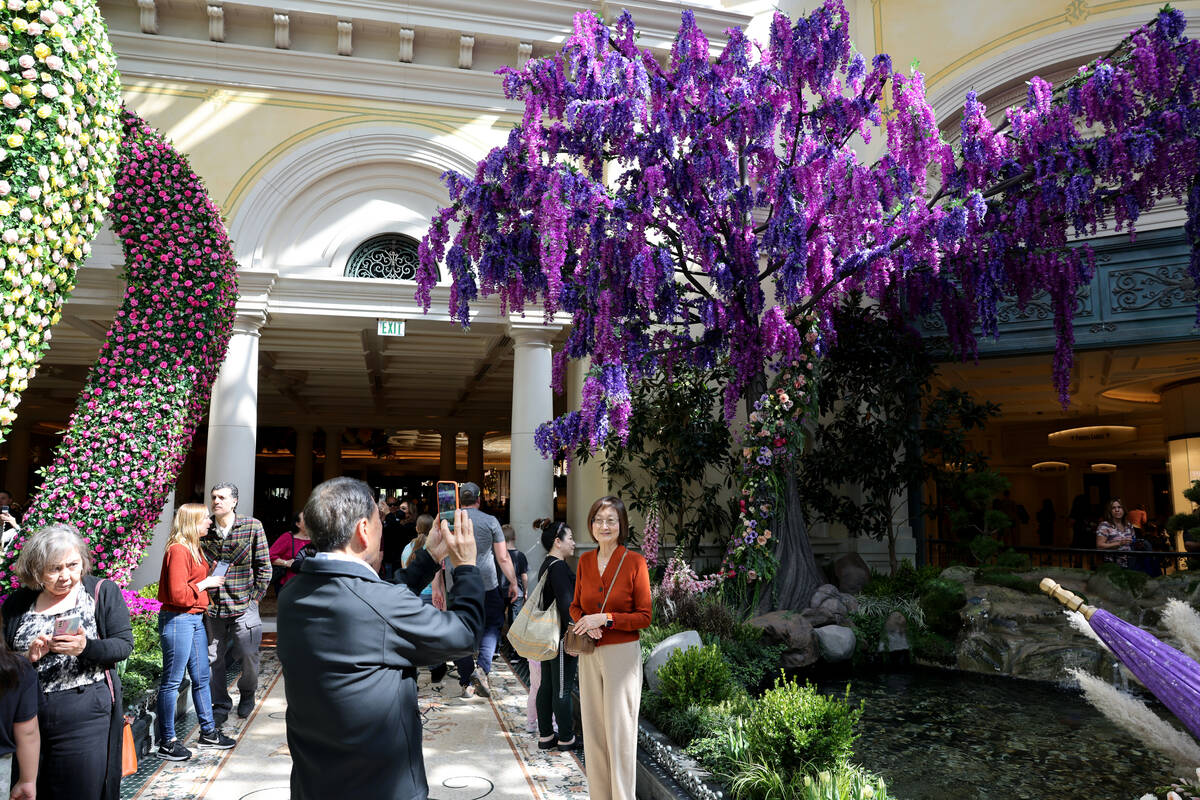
(59, 134)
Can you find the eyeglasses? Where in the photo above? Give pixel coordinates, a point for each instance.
(606, 523)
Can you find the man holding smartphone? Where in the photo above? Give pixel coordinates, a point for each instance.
(231, 618)
(350, 644)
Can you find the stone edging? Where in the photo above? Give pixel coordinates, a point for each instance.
(666, 772)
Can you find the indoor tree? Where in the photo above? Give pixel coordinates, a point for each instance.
(688, 213)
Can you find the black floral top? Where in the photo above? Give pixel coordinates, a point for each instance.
(58, 671)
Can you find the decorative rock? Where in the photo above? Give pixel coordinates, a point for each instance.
(895, 630)
(959, 574)
(1100, 586)
(851, 573)
(793, 630)
(836, 642)
(840, 606)
(819, 617)
(663, 651)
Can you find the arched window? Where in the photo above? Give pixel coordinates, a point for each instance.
(391, 255)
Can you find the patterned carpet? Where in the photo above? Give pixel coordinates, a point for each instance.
(474, 748)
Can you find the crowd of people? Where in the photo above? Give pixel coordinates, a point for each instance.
(368, 594)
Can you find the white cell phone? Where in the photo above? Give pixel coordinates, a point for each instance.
(68, 625)
(220, 568)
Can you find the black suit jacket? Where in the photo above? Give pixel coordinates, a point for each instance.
(349, 643)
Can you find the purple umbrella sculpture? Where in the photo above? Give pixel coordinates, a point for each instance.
(1169, 674)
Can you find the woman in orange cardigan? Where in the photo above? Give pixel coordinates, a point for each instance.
(610, 677)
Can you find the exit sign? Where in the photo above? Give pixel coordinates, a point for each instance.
(391, 327)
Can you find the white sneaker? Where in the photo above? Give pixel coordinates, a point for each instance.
(468, 691)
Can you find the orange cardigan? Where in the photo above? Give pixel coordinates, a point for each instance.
(177, 583)
(629, 602)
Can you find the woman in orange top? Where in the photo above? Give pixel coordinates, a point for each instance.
(182, 589)
(610, 677)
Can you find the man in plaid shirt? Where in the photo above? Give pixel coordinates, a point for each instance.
(231, 618)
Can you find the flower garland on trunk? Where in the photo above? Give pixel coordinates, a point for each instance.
(772, 442)
(58, 148)
(133, 424)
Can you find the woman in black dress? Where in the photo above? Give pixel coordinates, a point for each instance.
(554, 697)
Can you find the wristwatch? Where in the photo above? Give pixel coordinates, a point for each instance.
(608, 622)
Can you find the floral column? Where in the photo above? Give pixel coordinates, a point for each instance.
(532, 491)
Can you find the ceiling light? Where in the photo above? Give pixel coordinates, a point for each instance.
(1092, 435)
(1104, 467)
(1051, 467)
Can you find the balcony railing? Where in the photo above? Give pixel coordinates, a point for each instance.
(1141, 293)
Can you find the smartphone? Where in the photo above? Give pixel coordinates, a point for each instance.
(68, 625)
(220, 568)
(447, 497)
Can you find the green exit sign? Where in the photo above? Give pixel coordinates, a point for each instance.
(391, 327)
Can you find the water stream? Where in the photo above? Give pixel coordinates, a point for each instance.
(949, 736)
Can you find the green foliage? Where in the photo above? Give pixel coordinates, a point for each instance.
(941, 601)
(134, 687)
(795, 729)
(720, 750)
(752, 660)
(705, 614)
(868, 631)
(695, 676)
(1130, 580)
(997, 576)
(678, 455)
(984, 548)
(845, 781)
(908, 581)
(1188, 523)
(929, 645)
(141, 671)
(872, 383)
(685, 724)
(1012, 560)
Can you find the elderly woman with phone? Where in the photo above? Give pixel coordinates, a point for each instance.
(611, 606)
(183, 591)
(75, 629)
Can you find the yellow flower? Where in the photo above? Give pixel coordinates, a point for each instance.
(15, 140)
(5, 208)
(20, 24)
(29, 90)
(41, 50)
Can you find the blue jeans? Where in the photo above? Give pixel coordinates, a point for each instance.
(184, 644)
(493, 618)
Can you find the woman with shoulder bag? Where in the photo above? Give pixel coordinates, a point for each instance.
(287, 553)
(555, 698)
(611, 606)
(75, 629)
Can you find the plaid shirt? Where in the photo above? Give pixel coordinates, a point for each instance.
(249, 575)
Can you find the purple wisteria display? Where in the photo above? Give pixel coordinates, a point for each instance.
(694, 214)
(689, 213)
(133, 424)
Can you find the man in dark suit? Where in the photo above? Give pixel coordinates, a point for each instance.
(350, 643)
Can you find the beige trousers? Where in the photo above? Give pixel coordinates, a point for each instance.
(610, 696)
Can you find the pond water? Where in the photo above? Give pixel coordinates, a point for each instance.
(938, 735)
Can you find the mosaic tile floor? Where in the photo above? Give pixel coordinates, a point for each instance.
(474, 748)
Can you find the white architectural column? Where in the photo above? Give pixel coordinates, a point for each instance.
(302, 473)
(333, 453)
(1181, 422)
(586, 483)
(233, 414)
(149, 569)
(532, 490)
(448, 462)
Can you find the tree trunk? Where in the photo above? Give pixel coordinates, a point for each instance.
(798, 576)
(892, 565)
